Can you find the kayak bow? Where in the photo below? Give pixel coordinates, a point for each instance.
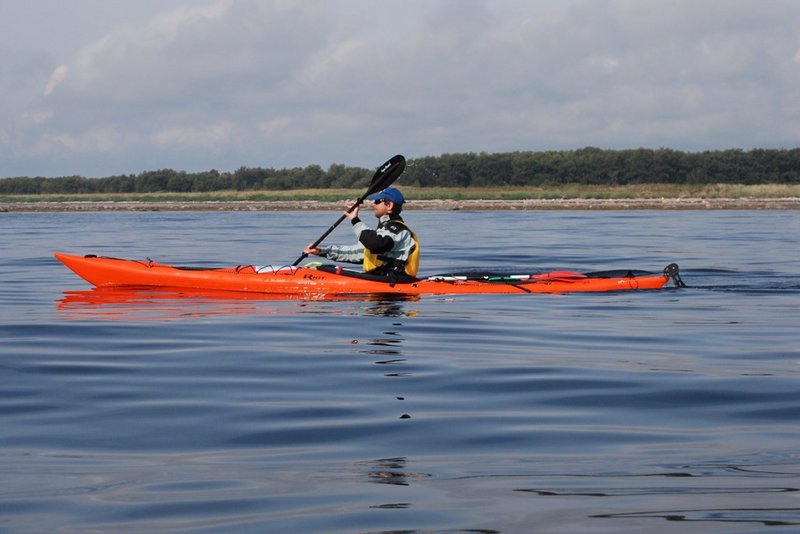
(330, 280)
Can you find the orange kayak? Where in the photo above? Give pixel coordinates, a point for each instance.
(331, 280)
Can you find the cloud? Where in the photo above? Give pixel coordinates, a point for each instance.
(208, 136)
(90, 141)
(37, 116)
(284, 83)
(157, 60)
(56, 78)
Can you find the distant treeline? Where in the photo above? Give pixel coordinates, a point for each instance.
(584, 166)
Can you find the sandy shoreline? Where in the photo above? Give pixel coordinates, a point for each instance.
(441, 205)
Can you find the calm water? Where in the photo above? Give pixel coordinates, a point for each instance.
(666, 411)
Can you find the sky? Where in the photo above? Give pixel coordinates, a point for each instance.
(104, 87)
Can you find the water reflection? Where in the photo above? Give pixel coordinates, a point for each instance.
(388, 348)
(158, 304)
(392, 471)
(390, 305)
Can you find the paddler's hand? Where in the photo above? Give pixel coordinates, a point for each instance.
(311, 249)
(352, 210)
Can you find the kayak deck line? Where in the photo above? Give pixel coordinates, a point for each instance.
(333, 280)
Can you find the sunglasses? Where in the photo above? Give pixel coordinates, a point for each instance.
(382, 201)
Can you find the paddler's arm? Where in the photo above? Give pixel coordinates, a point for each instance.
(334, 252)
(345, 253)
(371, 239)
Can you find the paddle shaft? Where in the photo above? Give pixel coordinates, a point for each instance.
(328, 232)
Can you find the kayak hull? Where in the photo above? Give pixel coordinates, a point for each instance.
(308, 282)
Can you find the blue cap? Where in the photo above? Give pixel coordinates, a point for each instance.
(390, 193)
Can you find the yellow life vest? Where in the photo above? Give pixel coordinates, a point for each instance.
(372, 261)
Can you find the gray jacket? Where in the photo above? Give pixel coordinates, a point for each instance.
(389, 239)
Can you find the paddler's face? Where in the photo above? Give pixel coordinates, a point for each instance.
(382, 207)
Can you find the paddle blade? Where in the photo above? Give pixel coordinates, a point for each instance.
(386, 175)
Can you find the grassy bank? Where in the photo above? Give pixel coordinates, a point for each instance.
(570, 191)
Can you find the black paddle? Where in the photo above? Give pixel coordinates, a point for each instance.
(383, 178)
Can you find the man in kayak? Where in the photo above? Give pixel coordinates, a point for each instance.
(392, 249)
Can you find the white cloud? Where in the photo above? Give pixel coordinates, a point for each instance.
(37, 116)
(604, 63)
(56, 78)
(91, 142)
(207, 135)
